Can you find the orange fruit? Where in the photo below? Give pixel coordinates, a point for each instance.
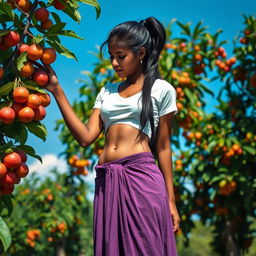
(26, 114)
(253, 80)
(40, 113)
(35, 52)
(41, 77)
(48, 56)
(27, 69)
(42, 14)
(7, 115)
(45, 99)
(22, 171)
(46, 24)
(25, 5)
(11, 39)
(1, 72)
(59, 5)
(3, 170)
(33, 101)
(20, 94)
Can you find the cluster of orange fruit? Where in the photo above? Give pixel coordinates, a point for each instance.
(12, 169)
(34, 51)
(26, 5)
(79, 165)
(245, 38)
(221, 210)
(48, 194)
(193, 136)
(240, 74)
(26, 106)
(32, 235)
(228, 153)
(227, 187)
(62, 227)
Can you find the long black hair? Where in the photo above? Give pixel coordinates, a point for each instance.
(150, 34)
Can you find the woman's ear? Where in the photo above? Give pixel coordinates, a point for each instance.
(142, 52)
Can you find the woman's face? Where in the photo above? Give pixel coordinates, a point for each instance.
(124, 61)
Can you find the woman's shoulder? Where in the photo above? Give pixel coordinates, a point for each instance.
(110, 87)
(162, 86)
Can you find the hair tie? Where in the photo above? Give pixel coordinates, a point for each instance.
(143, 22)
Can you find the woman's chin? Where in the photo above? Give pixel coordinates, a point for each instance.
(121, 75)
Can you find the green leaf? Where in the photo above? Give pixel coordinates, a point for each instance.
(185, 28)
(37, 129)
(7, 9)
(7, 199)
(206, 177)
(32, 85)
(10, 130)
(216, 161)
(30, 151)
(93, 3)
(69, 33)
(56, 17)
(197, 30)
(5, 89)
(61, 49)
(5, 146)
(168, 62)
(201, 167)
(207, 90)
(72, 11)
(190, 95)
(20, 61)
(5, 234)
(4, 32)
(250, 150)
(37, 39)
(56, 28)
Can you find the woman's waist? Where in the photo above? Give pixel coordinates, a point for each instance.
(113, 152)
(126, 158)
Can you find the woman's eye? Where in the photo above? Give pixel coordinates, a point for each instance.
(121, 57)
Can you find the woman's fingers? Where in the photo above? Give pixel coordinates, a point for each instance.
(176, 223)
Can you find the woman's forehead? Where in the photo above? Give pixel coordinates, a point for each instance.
(115, 47)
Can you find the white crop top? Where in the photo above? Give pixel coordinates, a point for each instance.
(115, 109)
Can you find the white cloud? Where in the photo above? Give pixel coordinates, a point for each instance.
(50, 161)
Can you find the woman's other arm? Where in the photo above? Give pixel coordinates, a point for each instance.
(164, 155)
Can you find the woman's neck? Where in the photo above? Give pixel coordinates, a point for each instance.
(135, 80)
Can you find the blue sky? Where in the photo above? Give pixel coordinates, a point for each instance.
(224, 14)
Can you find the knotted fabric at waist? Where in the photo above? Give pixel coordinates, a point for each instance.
(143, 157)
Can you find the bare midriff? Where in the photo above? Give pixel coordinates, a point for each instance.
(121, 140)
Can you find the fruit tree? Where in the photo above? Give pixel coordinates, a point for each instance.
(29, 39)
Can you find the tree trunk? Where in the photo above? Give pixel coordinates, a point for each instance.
(231, 247)
(61, 248)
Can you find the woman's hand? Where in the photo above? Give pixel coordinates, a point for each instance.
(53, 82)
(175, 216)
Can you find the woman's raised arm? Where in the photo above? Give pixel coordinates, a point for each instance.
(85, 134)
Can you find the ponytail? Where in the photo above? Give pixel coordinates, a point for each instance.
(151, 73)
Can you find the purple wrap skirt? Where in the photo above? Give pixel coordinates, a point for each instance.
(131, 214)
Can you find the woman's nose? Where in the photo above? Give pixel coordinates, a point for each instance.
(114, 62)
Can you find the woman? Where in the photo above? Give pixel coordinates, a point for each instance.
(134, 203)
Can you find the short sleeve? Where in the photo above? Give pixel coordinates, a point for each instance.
(99, 98)
(167, 100)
